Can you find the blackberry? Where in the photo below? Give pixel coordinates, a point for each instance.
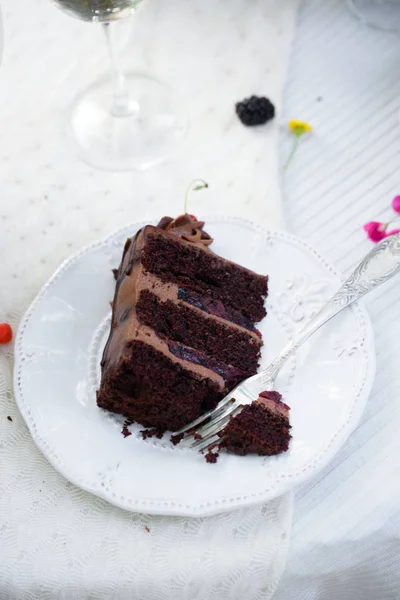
(255, 111)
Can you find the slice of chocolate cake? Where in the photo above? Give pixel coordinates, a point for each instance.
(262, 428)
(183, 326)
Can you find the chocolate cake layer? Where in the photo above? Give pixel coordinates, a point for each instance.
(261, 428)
(156, 391)
(207, 333)
(197, 268)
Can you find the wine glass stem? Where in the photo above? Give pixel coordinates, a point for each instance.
(122, 104)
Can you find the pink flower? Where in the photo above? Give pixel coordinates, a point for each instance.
(396, 204)
(375, 231)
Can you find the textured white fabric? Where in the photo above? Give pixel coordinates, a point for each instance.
(57, 542)
(60, 543)
(344, 79)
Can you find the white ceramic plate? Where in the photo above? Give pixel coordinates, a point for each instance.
(58, 351)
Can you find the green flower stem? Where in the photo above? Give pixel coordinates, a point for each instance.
(201, 184)
(294, 148)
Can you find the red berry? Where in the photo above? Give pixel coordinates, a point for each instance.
(5, 333)
(193, 217)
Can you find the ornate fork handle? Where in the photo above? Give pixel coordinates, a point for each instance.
(382, 263)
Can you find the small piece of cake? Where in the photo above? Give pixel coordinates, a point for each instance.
(262, 428)
(183, 326)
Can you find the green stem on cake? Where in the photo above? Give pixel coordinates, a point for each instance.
(199, 184)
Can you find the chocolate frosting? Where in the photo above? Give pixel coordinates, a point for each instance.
(187, 228)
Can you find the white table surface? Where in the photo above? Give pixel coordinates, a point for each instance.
(214, 56)
(56, 542)
(344, 79)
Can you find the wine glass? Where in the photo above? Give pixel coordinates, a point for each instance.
(127, 121)
(380, 14)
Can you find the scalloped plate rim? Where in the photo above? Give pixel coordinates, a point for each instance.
(222, 504)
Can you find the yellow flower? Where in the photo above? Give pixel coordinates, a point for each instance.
(299, 127)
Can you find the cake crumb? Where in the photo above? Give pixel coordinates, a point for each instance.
(148, 433)
(176, 439)
(9, 418)
(147, 529)
(211, 457)
(198, 436)
(125, 431)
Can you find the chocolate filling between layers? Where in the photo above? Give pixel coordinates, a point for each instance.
(217, 308)
(202, 332)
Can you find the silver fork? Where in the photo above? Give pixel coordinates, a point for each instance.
(382, 263)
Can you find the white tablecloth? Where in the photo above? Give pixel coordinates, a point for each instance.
(57, 542)
(344, 78)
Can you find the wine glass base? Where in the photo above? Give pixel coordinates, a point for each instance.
(379, 14)
(139, 138)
